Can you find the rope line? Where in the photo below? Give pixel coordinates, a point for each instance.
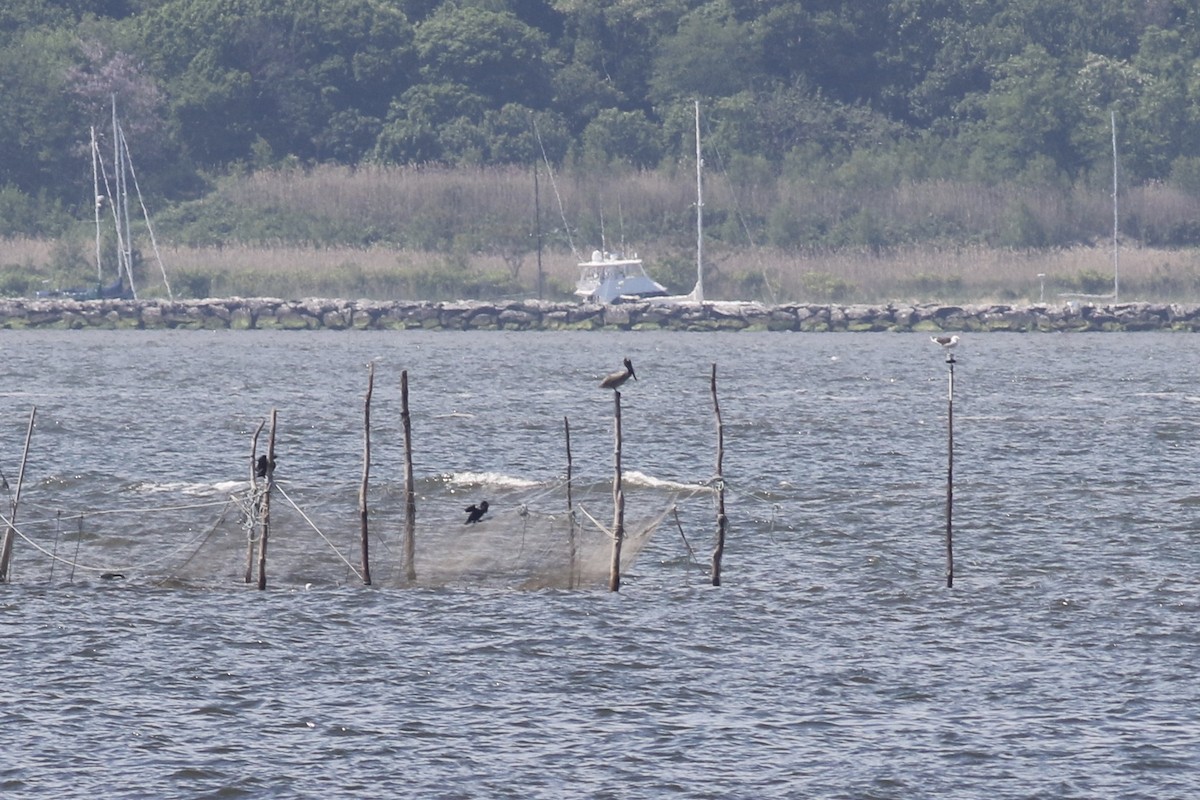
(75, 563)
(143, 510)
(319, 532)
(216, 525)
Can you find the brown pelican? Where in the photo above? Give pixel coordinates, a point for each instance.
(617, 379)
(947, 342)
(475, 513)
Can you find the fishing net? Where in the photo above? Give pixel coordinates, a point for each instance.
(211, 535)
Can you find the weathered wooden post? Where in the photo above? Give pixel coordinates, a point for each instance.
(264, 535)
(950, 474)
(366, 474)
(255, 501)
(722, 520)
(614, 572)
(10, 530)
(571, 551)
(410, 495)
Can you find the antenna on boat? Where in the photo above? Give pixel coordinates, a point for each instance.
(621, 224)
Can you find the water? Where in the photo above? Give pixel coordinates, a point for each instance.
(832, 663)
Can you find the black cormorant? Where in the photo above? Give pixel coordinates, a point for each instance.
(475, 513)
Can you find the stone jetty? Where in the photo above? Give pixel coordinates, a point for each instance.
(532, 315)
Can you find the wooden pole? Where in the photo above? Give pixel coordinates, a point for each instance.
(571, 551)
(10, 531)
(722, 520)
(264, 535)
(950, 477)
(256, 503)
(366, 474)
(410, 495)
(614, 572)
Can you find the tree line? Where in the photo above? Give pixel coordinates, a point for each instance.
(853, 93)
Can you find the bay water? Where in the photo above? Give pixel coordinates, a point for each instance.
(832, 662)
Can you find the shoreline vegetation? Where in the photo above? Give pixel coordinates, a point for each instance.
(442, 234)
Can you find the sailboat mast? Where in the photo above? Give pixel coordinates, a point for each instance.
(97, 201)
(1116, 227)
(124, 180)
(118, 192)
(698, 292)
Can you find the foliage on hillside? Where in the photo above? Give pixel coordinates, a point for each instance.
(847, 100)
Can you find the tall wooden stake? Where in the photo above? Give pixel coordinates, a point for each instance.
(614, 572)
(571, 554)
(950, 476)
(264, 535)
(255, 500)
(366, 474)
(10, 531)
(722, 520)
(410, 495)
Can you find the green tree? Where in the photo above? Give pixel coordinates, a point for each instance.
(498, 57)
(308, 76)
(710, 55)
(1032, 115)
(42, 138)
(621, 136)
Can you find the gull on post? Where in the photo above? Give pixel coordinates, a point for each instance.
(947, 343)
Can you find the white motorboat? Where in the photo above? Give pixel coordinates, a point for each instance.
(611, 277)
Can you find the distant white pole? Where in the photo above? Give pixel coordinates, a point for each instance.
(97, 202)
(1116, 264)
(698, 292)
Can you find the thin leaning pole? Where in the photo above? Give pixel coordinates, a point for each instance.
(950, 472)
(722, 520)
(571, 546)
(410, 495)
(365, 539)
(9, 531)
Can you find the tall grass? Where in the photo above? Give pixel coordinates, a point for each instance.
(436, 233)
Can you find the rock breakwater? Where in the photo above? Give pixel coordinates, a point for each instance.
(317, 314)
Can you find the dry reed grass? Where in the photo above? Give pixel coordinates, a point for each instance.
(912, 274)
(436, 233)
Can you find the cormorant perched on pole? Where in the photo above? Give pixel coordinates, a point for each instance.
(260, 467)
(475, 513)
(617, 379)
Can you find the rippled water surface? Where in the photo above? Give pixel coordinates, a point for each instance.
(833, 662)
